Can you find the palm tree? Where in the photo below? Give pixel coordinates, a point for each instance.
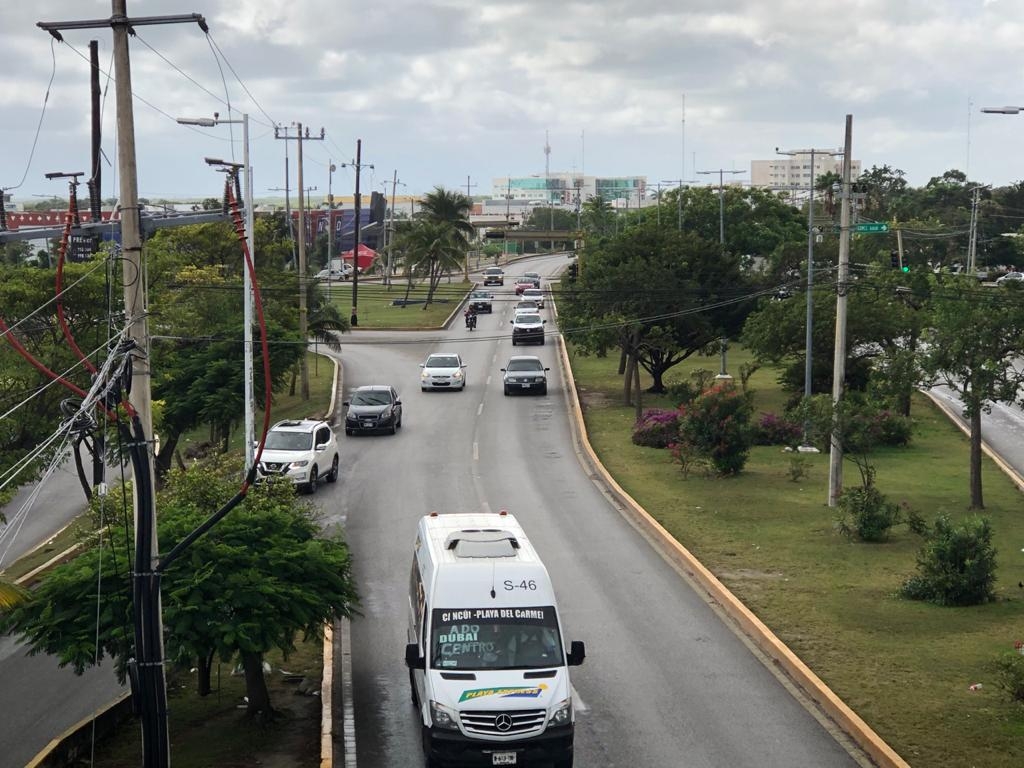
(432, 248)
(323, 320)
(597, 215)
(827, 183)
(10, 594)
(450, 207)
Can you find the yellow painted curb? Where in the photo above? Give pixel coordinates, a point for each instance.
(44, 754)
(1013, 474)
(844, 717)
(326, 703)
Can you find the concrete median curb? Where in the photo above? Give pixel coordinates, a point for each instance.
(830, 704)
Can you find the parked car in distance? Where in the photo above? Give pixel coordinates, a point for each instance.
(443, 370)
(527, 327)
(494, 276)
(480, 301)
(334, 273)
(373, 408)
(1010, 277)
(300, 450)
(535, 294)
(535, 276)
(522, 283)
(525, 373)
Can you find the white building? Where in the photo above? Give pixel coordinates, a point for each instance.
(793, 171)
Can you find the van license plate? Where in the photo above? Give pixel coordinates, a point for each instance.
(503, 758)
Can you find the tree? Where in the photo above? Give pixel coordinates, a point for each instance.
(658, 295)
(448, 207)
(253, 583)
(597, 216)
(431, 248)
(972, 345)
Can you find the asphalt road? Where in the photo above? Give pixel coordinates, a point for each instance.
(666, 681)
(38, 699)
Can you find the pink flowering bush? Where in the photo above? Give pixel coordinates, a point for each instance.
(656, 428)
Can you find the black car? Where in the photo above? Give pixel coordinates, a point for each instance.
(480, 301)
(373, 408)
(525, 373)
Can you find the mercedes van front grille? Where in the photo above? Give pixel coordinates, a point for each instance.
(502, 723)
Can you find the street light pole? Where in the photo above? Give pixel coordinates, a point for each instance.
(247, 308)
(808, 334)
(721, 200)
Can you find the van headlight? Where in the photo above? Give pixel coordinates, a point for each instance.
(443, 717)
(562, 713)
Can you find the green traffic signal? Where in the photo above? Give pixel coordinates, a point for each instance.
(905, 268)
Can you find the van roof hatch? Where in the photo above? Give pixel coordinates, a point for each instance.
(482, 542)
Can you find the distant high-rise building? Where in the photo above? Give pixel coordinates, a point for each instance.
(562, 188)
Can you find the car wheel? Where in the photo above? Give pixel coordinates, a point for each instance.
(393, 428)
(514, 341)
(412, 689)
(399, 421)
(314, 479)
(544, 389)
(332, 476)
(506, 390)
(542, 342)
(348, 432)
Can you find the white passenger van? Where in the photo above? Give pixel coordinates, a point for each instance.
(489, 674)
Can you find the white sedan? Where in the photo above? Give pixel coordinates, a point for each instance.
(443, 370)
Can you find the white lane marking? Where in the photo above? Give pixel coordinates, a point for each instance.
(577, 702)
(494, 357)
(476, 451)
(480, 408)
(488, 381)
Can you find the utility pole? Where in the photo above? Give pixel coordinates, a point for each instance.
(358, 165)
(330, 222)
(468, 187)
(721, 201)
(299, 137)
(278, 131)
(389, 233)
(835, 463)
(151, 689)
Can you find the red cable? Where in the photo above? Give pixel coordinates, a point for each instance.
(9, 334)
(72, 210)
(236, 218)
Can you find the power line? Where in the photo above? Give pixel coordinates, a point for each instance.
(39, 125)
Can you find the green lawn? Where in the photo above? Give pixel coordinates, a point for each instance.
(377, 310)
(905, 667)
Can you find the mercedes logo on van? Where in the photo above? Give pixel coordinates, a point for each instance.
(503, 722)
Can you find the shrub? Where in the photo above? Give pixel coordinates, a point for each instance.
(1009, 669)
(867, 514)
(891, 429)
(688, 458)
(656, 428)
(798, 466)
(683, 392)
(717, 425)
(957, 565)
(772, 429)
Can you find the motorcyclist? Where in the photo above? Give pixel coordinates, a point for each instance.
(470, 315)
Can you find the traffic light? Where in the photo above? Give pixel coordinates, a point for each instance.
(894, 259)
(574, 271)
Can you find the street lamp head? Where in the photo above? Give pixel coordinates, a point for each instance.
(205, 122)
(1001, 110)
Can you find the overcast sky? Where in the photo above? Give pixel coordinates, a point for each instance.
(444, 89)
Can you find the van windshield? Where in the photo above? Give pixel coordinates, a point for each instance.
(495, 638)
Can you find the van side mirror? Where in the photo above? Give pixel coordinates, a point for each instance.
(577, 653)
(413, 660)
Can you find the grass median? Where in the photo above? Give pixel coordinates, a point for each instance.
(904, 666)
(378, 310)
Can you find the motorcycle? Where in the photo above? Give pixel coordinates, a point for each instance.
(471, 321)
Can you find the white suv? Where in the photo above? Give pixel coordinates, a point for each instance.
(303, 451)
